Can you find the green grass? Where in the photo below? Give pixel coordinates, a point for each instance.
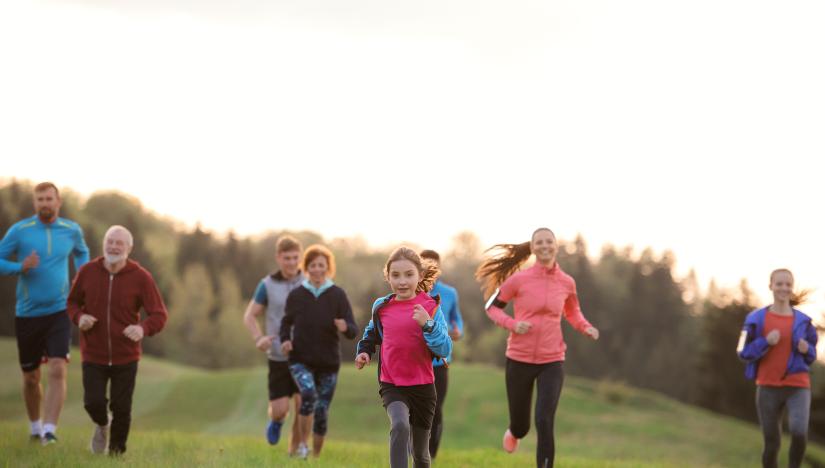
(185, 416)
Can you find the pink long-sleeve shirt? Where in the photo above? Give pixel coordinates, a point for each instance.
(541, 296)
(405, 358)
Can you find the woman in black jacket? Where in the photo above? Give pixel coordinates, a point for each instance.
(315, 314)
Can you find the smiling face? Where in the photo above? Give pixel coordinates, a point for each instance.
(781, 285)
(403, 277)
(543, 245)
(317, 269)
(288, 262)
(117, 244)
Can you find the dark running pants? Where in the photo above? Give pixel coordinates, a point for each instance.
(549, 378)
(96, 378)
(770, 401)
(441, 379)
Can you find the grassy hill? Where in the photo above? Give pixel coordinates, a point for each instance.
(186, 416)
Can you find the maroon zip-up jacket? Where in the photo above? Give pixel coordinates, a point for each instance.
(115, 301)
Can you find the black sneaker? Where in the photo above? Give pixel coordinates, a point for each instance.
(48, 439)
(34, 438)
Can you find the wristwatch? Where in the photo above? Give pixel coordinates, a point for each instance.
(428, 326)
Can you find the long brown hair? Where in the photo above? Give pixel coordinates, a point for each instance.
(428, 269)
(503, 261)
(797, 297)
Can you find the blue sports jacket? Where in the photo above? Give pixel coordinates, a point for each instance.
(753, 345)
(42, 290)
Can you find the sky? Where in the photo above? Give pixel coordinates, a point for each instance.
(695, 127)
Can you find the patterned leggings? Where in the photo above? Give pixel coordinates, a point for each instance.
(316, 389)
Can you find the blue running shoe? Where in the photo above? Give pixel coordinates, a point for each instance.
(273, 432)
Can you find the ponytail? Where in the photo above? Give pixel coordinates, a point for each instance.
(503, 262)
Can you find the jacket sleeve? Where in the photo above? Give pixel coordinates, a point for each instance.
(454, 318)
(369, 340)
(80, 251)
(751, 347)
(289, 318)
(438, 340)
(573, 312)
(7, 247)
(76, 302)
(345, 312)
(811, 337)
(156, 313)
(498, 301)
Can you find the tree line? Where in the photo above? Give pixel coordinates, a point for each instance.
(657, 331)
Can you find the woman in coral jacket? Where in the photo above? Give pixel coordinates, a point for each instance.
(541, 295)
(778, 343)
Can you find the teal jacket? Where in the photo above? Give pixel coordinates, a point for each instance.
(42, 290)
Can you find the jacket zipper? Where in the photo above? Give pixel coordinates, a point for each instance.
(49, 240)
(539, 318)
(109, 317)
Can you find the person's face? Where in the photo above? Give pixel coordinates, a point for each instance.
(403, 277)
(782, 286)
(317, 269)
(288, 262)
(46, 204)
(116, 247)
(544, 247)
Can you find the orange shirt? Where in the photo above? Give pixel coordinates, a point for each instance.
(774, 363)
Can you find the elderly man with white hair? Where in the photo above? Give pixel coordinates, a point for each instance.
(105, 302)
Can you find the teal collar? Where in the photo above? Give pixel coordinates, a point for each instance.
(317, 291)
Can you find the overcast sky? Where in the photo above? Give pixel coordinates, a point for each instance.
(690, 126)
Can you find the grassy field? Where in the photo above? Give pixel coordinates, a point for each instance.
(185, 416)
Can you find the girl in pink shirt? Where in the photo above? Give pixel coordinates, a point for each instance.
(542, 294)
(410, 328)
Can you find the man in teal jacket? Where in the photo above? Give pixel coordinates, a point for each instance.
(42, 245)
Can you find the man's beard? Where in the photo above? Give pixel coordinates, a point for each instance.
(45, 213)
(112, 259)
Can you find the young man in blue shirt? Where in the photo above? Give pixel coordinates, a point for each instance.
(42, 245)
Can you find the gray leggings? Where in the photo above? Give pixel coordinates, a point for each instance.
(770, 401)
(400, 435)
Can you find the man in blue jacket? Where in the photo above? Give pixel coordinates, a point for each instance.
(455, 327)
(42, 245)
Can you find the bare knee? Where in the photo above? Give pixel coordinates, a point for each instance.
(278, 409)
(57, 369)
(31, 380)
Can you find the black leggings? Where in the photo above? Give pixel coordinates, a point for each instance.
(520, 377)
(441, 380)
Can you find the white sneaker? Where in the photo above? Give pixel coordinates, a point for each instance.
(100, 439)
(303, 451)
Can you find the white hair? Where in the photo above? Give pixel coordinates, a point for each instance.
(116, 228)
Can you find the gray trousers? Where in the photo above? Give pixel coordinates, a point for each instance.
(402, 433)
(770, 401)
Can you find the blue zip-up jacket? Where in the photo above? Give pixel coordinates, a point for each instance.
(42, 290)
(753, 345)
(449, 304)
(438, 340)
